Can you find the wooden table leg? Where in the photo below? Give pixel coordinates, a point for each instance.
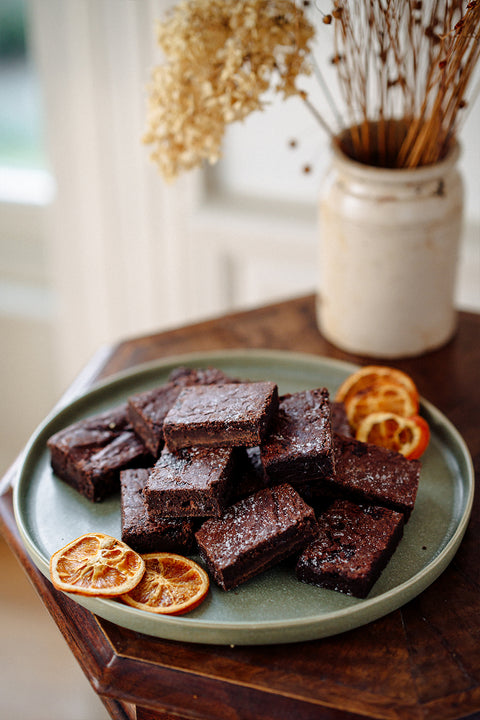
(119, 710)
(146, 714)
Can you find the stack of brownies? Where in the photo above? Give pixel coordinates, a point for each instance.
(226, 468)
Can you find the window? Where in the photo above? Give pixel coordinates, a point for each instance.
(23, 166)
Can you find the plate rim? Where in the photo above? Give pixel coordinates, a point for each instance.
(241, 633)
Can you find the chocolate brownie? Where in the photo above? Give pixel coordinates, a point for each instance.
(147, 409)
(144, 533)
(354, 545)
(255, 534)
(370, 474)
(89, 454)
(236, 414)
(193, 482)
(186, 376)
(299, 446)
(340, 424)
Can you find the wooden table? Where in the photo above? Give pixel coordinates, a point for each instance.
(422, 661)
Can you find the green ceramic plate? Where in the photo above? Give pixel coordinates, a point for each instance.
(275, 607)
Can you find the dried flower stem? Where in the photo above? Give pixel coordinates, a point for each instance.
(318, 117)
(404, 71)
(405, 64)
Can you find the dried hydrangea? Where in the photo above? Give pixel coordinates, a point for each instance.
(221, 56)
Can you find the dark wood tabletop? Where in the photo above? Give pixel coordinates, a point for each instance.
(421, 661)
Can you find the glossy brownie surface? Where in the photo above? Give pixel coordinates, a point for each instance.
(372, 474)
(193, 482)
(255, 534)
(354, 545)
(147, 410)
(236, 414)
(89, 454)
(299, 447)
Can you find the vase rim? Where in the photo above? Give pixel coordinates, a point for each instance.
(385, 173)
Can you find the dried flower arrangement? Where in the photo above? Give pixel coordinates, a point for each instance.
(404, 68)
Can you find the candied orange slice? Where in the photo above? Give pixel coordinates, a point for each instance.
(172, 585)
(408, 436)
(367, 377)
(383, 396)
(96, 564)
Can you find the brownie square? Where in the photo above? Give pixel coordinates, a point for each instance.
(90, 454)
(367, 473)
(354, 545)
(299, 446)
(193, 482)
(255, 534)
(147, 410)
(236, 414)
(142, 532)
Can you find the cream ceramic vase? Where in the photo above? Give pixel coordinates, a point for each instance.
(388, 259)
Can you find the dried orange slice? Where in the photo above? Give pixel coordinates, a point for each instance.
(96, 564)
(408, 436)
(365, 378)
(383, 396)
(172, 585)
